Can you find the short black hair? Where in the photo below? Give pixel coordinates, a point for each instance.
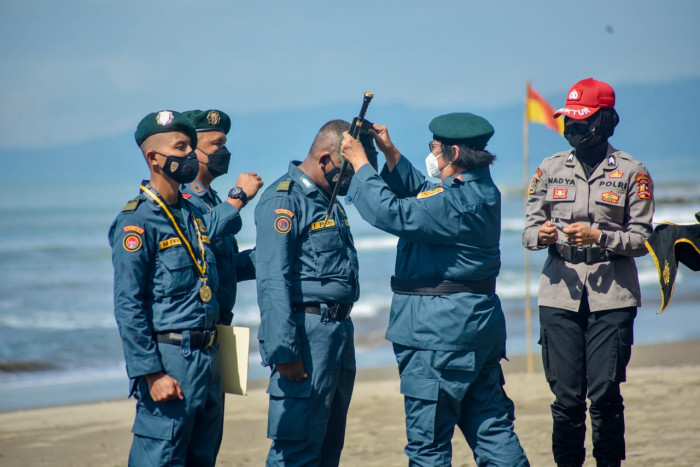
(328, 137)
(469, 158)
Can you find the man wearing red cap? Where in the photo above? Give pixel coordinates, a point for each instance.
(591, 207)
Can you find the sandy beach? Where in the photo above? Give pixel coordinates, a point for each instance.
(661, 396)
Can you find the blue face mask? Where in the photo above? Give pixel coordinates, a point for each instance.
(181, 169)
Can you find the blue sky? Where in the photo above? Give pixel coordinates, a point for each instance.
(77, 70)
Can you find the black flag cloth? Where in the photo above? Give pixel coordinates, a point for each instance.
(670, 244)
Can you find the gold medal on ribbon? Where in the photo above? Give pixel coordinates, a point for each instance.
(205, 293)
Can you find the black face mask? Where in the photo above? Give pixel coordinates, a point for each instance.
(218, 161)
(181, 169)
(333, 176)
(593, 131)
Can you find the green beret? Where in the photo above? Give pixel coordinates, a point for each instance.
(165, 121)
(209, 120)
(462, 128)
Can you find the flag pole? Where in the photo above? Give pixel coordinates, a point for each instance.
(526, 172)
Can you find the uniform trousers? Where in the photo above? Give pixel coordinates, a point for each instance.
(306, 420)
(444, 389)
(181, 432)
(585, 354)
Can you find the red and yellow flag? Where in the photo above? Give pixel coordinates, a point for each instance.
(538, 110)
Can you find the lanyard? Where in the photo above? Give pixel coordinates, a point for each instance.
(201, 268)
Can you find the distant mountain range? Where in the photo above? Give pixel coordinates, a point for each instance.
(658, 126)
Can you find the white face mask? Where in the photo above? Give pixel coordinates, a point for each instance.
(431, 165)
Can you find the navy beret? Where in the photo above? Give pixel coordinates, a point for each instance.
(209, 120)
(462, 128)
(165, 121)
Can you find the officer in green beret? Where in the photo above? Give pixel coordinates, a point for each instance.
(446, 322)
(233, 265)
(165, 300)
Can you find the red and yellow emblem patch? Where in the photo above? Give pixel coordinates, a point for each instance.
(429, 193)
(643, 186)
(610, 197)
(284, 211)
(560, 193)
(283, 224)
(133, 228)
(132, 242)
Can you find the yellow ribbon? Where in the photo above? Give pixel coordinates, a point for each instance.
(203, 267)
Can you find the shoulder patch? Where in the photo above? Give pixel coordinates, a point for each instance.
(132, 205)
(283, 224)
(132, 242)
(284, 211)
(133, 228)
(429, 193)
(284, 185)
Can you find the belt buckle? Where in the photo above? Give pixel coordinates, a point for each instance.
(210, 338)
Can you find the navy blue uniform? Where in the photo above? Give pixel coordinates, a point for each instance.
(157, 291)
(302, 261)
(232, 265)
(448, 347)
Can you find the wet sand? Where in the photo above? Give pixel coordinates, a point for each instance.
(662, 396)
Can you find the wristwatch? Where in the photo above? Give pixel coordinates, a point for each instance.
(238, 193)
(602, 239)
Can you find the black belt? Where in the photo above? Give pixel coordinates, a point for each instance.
(198, 339)
(334, 311)
(578, 254)
(441, 286)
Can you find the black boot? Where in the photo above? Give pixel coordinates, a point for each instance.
(608, 463)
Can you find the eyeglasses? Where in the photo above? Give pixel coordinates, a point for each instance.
(434, 144)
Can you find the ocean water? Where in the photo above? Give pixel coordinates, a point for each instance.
(58, 338)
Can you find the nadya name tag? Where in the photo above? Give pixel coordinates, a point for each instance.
(234, 347)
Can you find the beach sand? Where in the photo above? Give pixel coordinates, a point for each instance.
(662, 396)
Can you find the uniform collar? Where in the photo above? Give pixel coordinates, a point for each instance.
(198, 189)
(303, 180)
(609, 163)
(467, 176)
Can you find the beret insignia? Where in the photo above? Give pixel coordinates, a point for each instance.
(164, 117)
(213, 117)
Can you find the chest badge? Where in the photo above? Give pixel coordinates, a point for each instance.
(615, 174)
(610, 197)
(560, 193)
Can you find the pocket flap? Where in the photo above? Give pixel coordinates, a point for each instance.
(420, 388)
(176, 258)
(283, 387)
(462, 361)
(151, 426)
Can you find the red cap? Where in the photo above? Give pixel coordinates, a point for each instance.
(585, 98)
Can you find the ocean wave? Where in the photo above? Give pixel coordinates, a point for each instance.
(58, 320)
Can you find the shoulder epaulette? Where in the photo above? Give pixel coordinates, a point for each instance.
(284, 185)
(132, 205)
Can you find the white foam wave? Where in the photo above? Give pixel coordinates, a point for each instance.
(376, 242)
(58, 320)
(371, 305)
